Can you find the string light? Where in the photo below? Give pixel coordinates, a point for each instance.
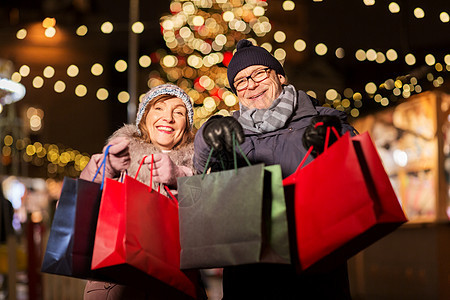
(21, 34)
(38, 82)
(185, 32)
(97, 69)
(24, 71)
(288, 5)
(72, 71)
(444, 17)
(82, 30)
(394, 7)
(81, 90)
(50, 32)
(137, 27)
(59, 86)
(419, 13)
(48, 72)
(145, 61)
(123, 97)
(102, 94)
(121, 65)
(107, 27)
(59, 160)
(321, 49)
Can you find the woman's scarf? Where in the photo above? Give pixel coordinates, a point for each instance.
(272, 118)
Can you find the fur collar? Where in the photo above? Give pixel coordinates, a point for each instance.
(139, 148)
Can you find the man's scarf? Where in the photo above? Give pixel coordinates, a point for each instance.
(272, 118)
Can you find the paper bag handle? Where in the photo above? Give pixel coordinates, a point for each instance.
(235, 144)
(151, 178)
(170, 194)
(151, 171)
(102, 164)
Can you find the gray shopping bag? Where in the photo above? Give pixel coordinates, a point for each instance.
(233, 217)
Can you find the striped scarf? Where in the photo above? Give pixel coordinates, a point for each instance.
(272, 118)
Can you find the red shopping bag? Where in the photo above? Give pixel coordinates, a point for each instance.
(137, 238)
(344, 202)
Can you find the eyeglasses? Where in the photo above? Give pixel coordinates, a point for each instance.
(257, 76)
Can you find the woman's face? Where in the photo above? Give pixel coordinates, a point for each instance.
(166, 122)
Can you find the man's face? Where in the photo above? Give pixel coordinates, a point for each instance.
(261, 94)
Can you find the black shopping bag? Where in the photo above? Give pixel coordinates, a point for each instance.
(72, 234)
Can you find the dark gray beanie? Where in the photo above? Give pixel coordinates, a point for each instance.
(247, 55)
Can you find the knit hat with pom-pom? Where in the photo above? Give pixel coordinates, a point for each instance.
(247, 55)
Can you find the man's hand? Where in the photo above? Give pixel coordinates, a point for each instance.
(315, 133)
(218, 132)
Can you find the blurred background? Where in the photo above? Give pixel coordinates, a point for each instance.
(73, 71)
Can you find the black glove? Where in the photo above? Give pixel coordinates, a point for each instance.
(218, 131)
(315, 135)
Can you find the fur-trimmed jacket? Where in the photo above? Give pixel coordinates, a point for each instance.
(137, 150)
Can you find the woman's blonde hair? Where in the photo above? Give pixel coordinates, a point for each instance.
(188, 135)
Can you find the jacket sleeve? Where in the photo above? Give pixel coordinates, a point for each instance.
(201, 151)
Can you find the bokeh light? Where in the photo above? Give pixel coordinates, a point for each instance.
(48, 72)
(21, 34)
(299, 45)
(394, 7)
(107, 27)
(72, 71)
(137, 27)
(419, 13)
(123, 97)
(321, 49)
(38, 82)
(97, 69)
(82, 30)
(102, 94)
(59, 86)
(121, 65)
(81, 90)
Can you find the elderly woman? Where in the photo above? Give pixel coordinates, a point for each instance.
(163, 128)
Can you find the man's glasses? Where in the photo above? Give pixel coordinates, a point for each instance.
(257, 76)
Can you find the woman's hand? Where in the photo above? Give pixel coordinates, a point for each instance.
(118, 159)
(165, 171)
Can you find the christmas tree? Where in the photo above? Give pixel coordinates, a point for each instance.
(201, 36)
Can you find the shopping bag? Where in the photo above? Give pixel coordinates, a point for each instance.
(233, 217)
(344, 202)
(137, 238)
(71, 240)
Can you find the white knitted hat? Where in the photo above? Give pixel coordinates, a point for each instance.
(165, 89)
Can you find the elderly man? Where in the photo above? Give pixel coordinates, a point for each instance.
(270, 126)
